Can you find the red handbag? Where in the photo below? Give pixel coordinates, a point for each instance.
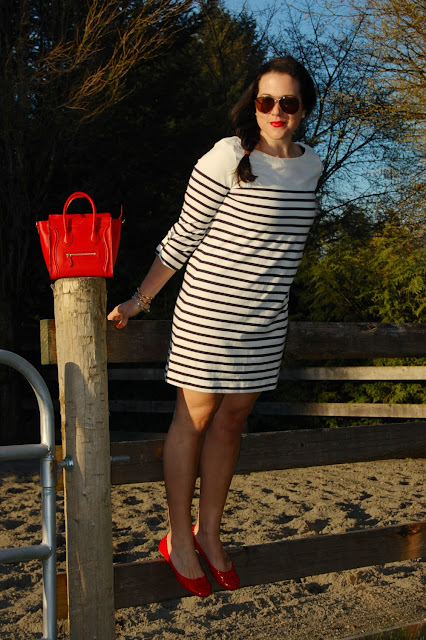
(84, 244)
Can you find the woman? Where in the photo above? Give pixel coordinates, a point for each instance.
(245, 218)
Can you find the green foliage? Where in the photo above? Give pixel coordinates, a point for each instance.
(400, 268)
(377, 274)
(357, 270)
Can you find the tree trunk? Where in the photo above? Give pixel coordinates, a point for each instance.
(80, 315)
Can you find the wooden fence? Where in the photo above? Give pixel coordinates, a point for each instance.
(148, 341)
(146, 581)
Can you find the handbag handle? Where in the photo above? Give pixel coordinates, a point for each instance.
(74, 196)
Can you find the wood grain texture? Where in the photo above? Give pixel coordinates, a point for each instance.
(410, 631)
(80, 307)
(286, 450)
(342, 409)
(152, 581)
(406, 373)
(143, 582)
(370, 373)
(148, 341)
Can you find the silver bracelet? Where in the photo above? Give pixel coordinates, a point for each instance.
(142, 305)
(143, 297)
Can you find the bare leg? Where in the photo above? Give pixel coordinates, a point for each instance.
(193, 415)
(217, 464)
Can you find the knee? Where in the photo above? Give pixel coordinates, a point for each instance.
(202, 420)
(196, 422)
(231, 419)
(234, 422)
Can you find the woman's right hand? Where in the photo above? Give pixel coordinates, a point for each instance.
(123, 312)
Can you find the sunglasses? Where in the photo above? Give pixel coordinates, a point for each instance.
(288, 104)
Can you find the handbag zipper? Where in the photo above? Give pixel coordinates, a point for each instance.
(85, 253)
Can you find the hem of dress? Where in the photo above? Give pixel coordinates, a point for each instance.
(192, 387)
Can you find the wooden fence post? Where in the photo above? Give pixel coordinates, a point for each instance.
(80, 314)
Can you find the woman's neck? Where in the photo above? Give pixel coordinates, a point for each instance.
(279, 148)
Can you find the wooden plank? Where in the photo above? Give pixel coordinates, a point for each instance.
(139, 583)
(343, 409)
(146, 581)
(409, 631)
(400, 373)
(61, 596)
(137, 375)
(286, 450)
(369, 373)
(406, 373)
(142, 406)
(47, 341)
(59, 456)
(148, 341)
(317, 447)
(338, 340)
(140, 341)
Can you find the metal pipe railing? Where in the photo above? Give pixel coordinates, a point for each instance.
(45, 451)
(23, 451)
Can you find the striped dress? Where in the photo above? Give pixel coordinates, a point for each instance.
(243, 245)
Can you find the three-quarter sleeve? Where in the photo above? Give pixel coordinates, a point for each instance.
(208, 186)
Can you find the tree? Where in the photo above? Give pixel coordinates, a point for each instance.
(62, 64)
(349, 129)
(366, 145)
(141, 152)
(357, 270)
(396, 37)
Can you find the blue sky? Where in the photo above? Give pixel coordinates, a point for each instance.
(335, 14)
(268, 12)
(252, 5)
(259, 8)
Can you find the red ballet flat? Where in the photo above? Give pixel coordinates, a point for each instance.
(226, 579)
(197, 586)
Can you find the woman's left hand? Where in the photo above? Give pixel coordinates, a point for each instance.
(123, 312)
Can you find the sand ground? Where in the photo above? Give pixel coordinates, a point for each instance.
(261, 507)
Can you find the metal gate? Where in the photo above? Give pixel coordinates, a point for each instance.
(45, 451)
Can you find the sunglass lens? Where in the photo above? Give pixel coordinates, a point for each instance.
(265, 104)
(289, 105)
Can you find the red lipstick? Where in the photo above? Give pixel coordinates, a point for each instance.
(277, 123)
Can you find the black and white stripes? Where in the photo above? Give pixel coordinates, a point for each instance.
(244, 245)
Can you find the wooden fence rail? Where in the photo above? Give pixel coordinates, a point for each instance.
(143, 582)
(146, 581)
(148, 341)
(286, 450)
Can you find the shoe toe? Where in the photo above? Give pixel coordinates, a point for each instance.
(197, 586)
(226, 579)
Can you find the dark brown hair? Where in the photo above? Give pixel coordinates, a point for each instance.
(243, 114)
